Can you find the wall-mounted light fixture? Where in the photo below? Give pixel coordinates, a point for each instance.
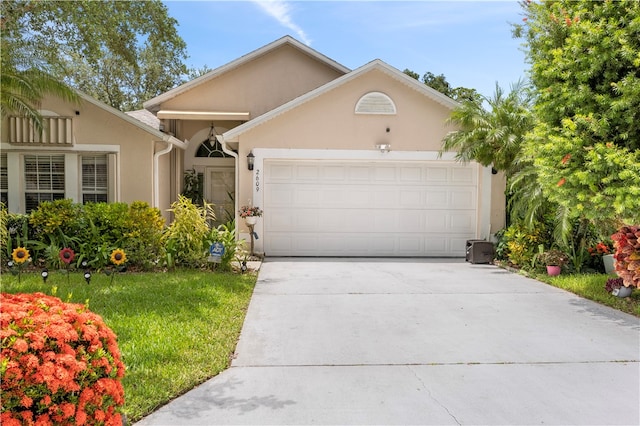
(384, 147)
(250, 160)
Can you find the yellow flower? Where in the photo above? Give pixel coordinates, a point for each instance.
(118, 257)
(20, 255)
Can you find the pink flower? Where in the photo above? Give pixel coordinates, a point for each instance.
(67, 255)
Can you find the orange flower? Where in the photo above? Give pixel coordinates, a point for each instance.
(565, 159)
(561, 182)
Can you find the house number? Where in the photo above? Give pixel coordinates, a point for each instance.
(258, 180)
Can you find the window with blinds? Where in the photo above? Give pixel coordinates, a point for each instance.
(44, 179)
(95, 179)
(4, 181)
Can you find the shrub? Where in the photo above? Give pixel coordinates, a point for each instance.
(60, 364)
(143, 238)
(522, 243)
(627, 254)
(187, 235)
(56, 222)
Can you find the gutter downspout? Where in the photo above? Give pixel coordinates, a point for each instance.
(226, 150)
(156, 174)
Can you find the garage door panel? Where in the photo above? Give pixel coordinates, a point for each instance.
(304, 197)
(307, 173)
(385, 198)
(411, 175)
(359, 174)
(333, 173)
(280, 195)
(436, 175)
(462, 199)
(411, 198)
(462, 222)
(332, 208)
(461, 175)
(385, 175)
(437, 244)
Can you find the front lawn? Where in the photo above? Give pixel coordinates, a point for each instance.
(175, 330)
(591, 286)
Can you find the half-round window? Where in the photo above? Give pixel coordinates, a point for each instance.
(375, 103)
(211, 149)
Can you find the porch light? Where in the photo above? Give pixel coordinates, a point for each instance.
(250, 160)
(384, 147)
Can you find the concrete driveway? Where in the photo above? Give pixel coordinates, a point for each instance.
(419, 341)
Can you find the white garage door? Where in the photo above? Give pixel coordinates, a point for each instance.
(333, 208)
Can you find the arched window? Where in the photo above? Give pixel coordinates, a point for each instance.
(211, 147)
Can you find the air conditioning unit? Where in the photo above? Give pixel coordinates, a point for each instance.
(480, 251)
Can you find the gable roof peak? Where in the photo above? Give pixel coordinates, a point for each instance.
(154, 103)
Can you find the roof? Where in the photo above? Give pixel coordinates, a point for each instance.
(377, 64)
(152, 104)
(146, 117)
(164, 137)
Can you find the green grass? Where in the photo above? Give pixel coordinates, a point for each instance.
(591, 286)
(175, 330)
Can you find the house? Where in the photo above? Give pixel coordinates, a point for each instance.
(88, 152)
(343, 162)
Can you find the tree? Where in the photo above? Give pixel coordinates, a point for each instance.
(585, 66)
(121, 53)
(494, 136)
(440, 83)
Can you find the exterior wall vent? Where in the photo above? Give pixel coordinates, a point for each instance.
(56, 131)
(375, 103)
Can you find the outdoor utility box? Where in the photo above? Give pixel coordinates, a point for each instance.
(480, 251)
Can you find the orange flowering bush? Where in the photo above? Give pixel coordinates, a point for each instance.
(60, 364)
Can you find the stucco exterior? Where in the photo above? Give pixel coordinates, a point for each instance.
(96, 129)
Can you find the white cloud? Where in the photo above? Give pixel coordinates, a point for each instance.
(281, 11)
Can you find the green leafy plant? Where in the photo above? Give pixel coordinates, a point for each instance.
(186, 237)
(194, 187)
(522, 243)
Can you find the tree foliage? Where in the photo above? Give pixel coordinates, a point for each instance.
(440, 83)
(585, 66)
(120, 52)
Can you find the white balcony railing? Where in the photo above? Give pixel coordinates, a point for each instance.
(56, 131)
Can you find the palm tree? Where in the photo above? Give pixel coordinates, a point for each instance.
(24, 81)
(494, 136)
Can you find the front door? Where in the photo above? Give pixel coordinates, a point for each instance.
(219, 190)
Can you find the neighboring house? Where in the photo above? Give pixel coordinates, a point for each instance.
(88, 152)
(345, 162)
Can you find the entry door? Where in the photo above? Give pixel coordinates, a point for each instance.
(220, 191)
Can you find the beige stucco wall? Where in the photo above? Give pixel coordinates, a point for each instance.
(257, 86)
(96, 130)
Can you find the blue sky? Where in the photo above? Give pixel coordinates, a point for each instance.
(468, 41)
